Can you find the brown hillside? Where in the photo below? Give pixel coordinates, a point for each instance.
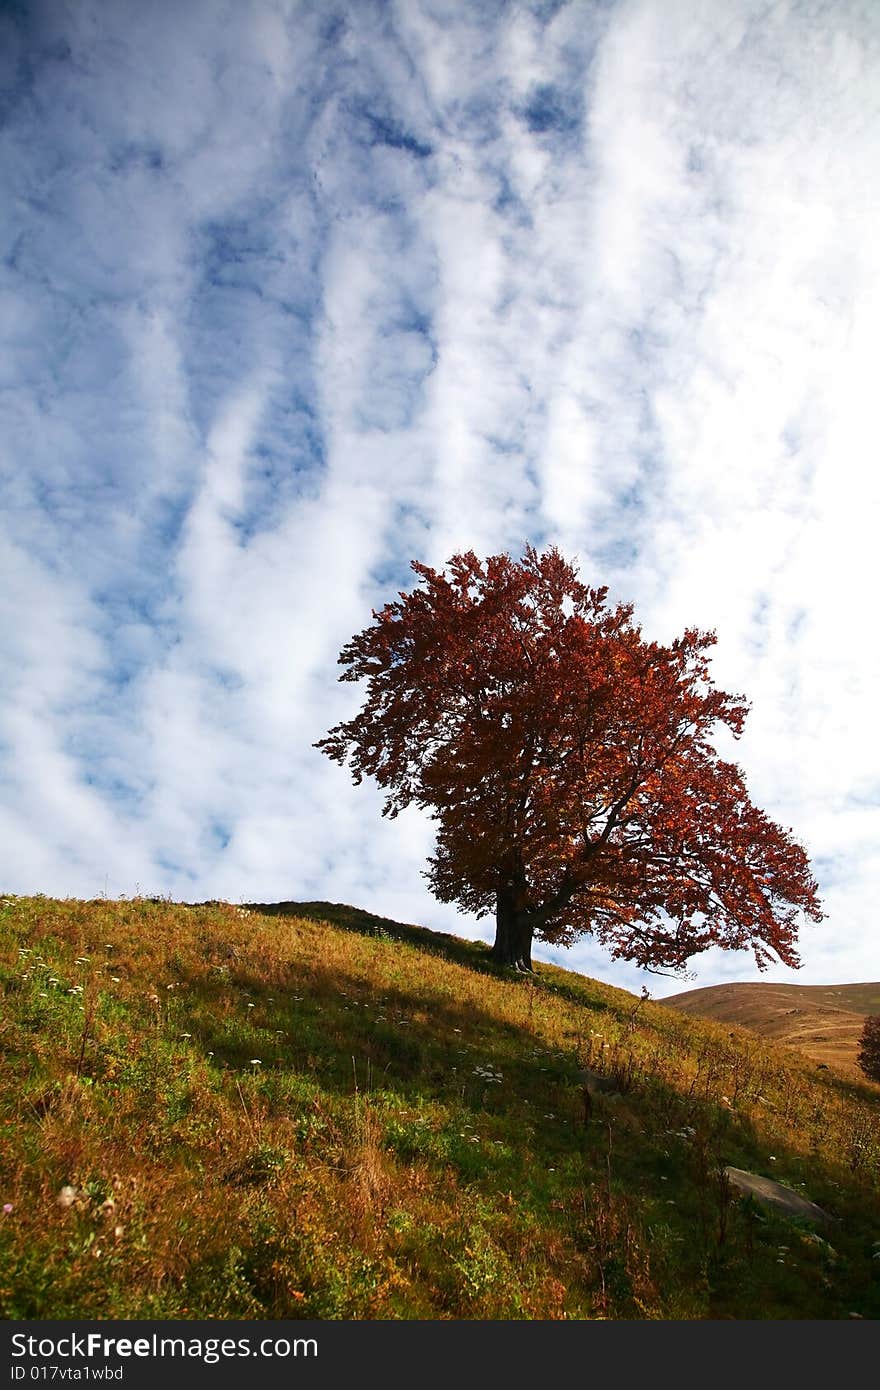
(822, 1021)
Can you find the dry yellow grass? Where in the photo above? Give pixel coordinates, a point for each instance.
(307, 1111)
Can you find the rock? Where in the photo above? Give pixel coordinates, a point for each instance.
(597, 1083)
(775, 1194)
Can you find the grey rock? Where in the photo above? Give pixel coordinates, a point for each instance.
(775, 1194)
(597, 1083)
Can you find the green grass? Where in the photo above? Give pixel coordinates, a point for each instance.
(307, 1111)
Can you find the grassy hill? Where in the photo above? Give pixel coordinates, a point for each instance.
(822, 1021)
(302, 1110)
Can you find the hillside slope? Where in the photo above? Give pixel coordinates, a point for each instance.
(303, 1110)
(822, 1021)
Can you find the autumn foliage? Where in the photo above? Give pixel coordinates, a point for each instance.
(569, 766)
(869, 1047)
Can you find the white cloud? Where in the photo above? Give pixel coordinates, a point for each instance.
(296, 297)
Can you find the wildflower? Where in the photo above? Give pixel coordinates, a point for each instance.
(186, 1035)
(486, 1073)
(249, 1006)
(8, 1208)
(117, 1231)
(66, 1197)
(82, 960)
(255, 1062)
(108, 1206)
(115, 979)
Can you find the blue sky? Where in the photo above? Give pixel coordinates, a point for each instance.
(292, 293)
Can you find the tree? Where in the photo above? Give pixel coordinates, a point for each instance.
(869, 1047)
(568, 764)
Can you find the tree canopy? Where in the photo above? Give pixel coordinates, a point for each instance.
(570, 768)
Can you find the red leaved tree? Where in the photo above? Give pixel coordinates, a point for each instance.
(569, 766)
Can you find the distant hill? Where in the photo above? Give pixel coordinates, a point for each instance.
(822, 1021)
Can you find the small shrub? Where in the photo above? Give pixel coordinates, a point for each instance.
(869, 1048)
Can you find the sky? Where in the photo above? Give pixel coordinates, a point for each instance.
(292, 294)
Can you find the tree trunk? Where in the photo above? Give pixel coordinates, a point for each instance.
(513, 932)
